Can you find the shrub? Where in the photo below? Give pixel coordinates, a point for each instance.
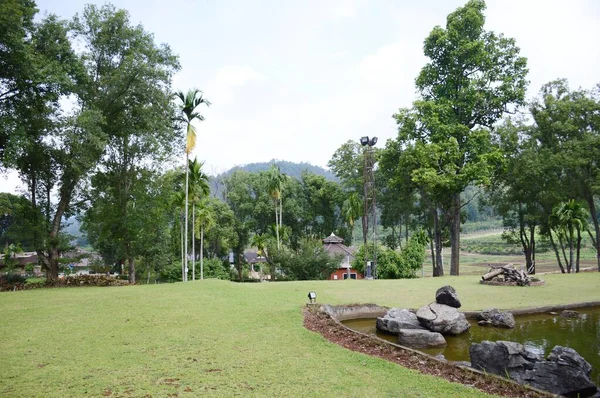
(391, 264)
(69, 281)
(309, 262)
(214, 268)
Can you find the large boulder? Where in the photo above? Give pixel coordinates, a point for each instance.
(494, 317)
(420, 338)
(564, 372)
(396, 319)
(501, 357)
(447, 295)
(443, 319)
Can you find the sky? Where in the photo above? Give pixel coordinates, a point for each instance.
(294, 80)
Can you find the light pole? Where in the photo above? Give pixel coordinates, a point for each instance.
(370, 202)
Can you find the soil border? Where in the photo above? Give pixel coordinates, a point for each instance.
(324, 320)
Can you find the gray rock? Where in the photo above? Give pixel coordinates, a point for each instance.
(442, 319)
(420, 338)
(569, 314)
(500, 358)
(396, 319)
(447, 295)
(564, 372)
(462, 364)
(494, 317)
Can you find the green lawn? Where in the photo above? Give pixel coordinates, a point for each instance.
(224, 339)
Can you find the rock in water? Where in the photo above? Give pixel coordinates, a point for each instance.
(501, 357)
(420, 338)
(396, 319)
(443, 319)
(569, 314)
(447, 295)
(565, 372)
(494, 317)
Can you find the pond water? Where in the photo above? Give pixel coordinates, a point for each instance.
(540, 333)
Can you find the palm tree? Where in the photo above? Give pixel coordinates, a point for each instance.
(260, 241)
(352, 208)
(569, 217)
(178, 202)
(206, 220)
(275, 183)
(198, 189)
(189, 103)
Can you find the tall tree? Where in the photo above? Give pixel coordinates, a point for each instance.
(473, 77)
(275, 184)
(206, 221)
(198, 189)
(190, 102)
(568, 130)
(348, 164)
(53, 149)
(570, 217)
(352, 209)
(140, 113)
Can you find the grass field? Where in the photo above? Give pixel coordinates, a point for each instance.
(224, 339)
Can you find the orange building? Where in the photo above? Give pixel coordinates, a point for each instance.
(334, 245)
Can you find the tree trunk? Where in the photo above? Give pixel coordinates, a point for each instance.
(571, 250)
(131, 270)
(400, 234)
(241, 271)
(431, 250)
(438, 268)
(276, 225)
(562, 249)
(50, 260)
(562, 269)
(578, 250)
(594, 215)
(182, 250)
(455, 235)
(202, 251)
(281, 210)
(530, 252)
(185, 245)
(193, 241)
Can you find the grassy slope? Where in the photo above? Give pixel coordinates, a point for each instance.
(223, 338)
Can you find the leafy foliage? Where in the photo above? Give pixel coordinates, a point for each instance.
(309, 262)
(390, 263)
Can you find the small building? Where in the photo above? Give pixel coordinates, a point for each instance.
(256, 262)
(334, 245)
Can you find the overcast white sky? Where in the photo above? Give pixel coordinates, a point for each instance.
(293, 80)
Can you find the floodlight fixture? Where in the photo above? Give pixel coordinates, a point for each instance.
(373, 141)
(312, 296)
(364, 140)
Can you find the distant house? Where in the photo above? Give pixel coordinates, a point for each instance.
(256, 264)
(334, 245)
(22, 260)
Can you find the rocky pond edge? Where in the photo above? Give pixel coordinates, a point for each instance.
(327, 320)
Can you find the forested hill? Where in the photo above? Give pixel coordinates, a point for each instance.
(290, 168)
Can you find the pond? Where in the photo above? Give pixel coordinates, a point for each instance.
(540, 333)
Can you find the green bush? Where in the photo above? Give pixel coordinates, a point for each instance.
(214, 268)
(309, 262)
(170, 273)
(391, 264)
